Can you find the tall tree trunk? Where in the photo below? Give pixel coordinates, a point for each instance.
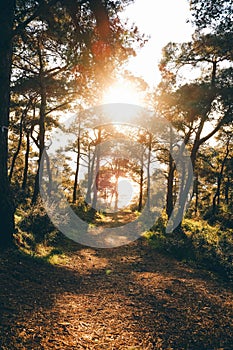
(185, 186)
(117, 172)
(76, 172)
(170, 180)
(97, 168)
(18, 147)
(41, 146)
(41, 125)
(26, 161)
(196, 189)
(116, 193)
(7, 225)
(96, 180)
(198, 141)
(89, 175)
(216, 198)
(148, 172)
(141, 184)
(227, 186)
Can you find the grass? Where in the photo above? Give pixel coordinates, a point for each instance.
(205, 245)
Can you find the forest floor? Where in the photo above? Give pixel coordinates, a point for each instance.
(130, 297)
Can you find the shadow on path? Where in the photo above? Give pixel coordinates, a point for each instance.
(123, 298)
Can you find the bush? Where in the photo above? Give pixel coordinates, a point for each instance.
(205, 245)
(37, 222)
(160, 224)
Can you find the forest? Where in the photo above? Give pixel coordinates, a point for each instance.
(108, 207)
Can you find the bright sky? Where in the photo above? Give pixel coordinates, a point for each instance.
(163, 21)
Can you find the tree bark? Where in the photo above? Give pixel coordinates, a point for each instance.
(26, 161)
(170, 180)
(97, 168)
(227, 187)
(76, 171)
(141, 184)
(216, 198)
(41, 147)
(90, 167)
(41, 125)
(148, 172)
(19, 143)
(7, 225)
(196, 189)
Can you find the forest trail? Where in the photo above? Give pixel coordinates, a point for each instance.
(118, 218)
(129, 297)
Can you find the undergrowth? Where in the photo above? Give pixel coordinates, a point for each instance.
(203, 244)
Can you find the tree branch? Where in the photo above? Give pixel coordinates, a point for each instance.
(37, 12)
(217, 128)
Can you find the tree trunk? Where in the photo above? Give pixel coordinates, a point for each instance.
(76, 173)
(89, 175)
(18, 147)
(26, 161)
(97, 168)
(116, 194)
(141, 185)
(41, 126)
(96, 180)
(186, 187)
(196, 189)
(7, 225)
(148, 173)
(170, 180)
(216, 199)
(41, 148)
(227, 186)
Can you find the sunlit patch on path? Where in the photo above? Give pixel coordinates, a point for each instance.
(129, 297)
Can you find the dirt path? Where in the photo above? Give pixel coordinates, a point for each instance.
(124, 298)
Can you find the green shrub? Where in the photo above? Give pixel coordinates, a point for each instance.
(160, 224)
(206, 245)
(37, 222)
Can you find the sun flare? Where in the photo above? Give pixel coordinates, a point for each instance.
(127, 96)
(122, 92)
